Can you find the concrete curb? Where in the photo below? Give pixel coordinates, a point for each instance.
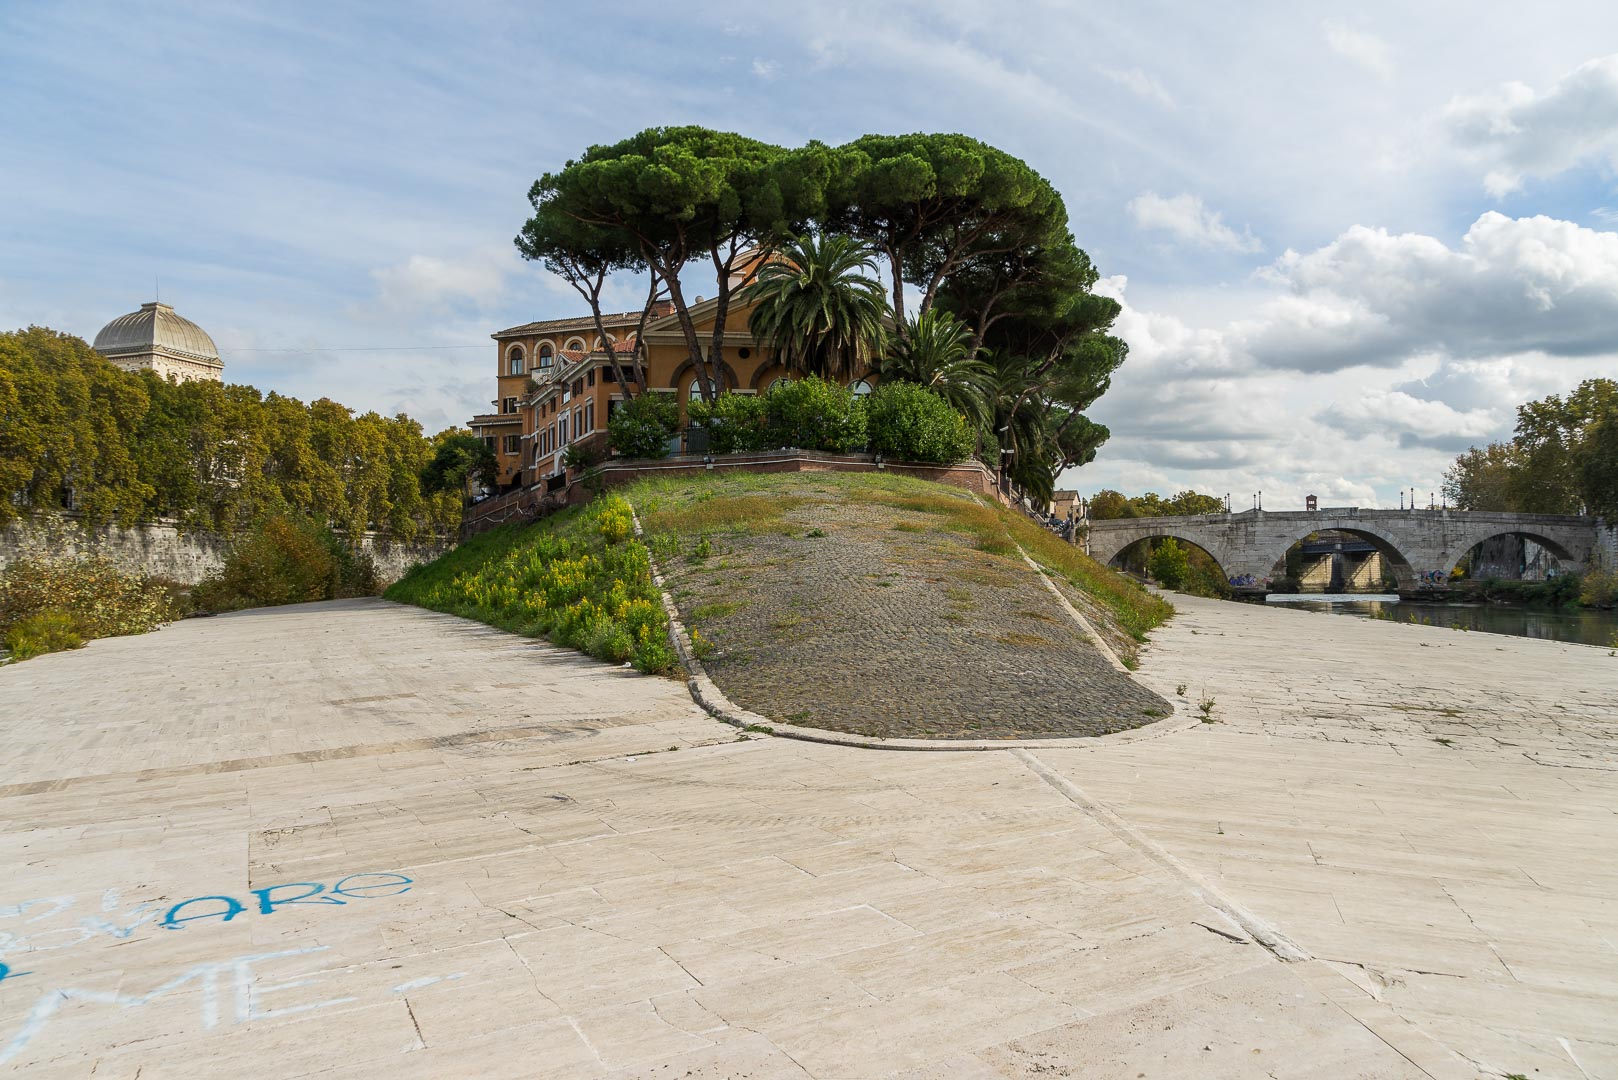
(706, 693)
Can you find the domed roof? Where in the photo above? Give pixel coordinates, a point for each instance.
(155, 328)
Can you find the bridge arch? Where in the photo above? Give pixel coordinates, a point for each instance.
(1559, 551)
(1183, 537)
(1405, 573)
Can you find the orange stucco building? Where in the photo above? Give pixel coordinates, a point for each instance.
(555, 386)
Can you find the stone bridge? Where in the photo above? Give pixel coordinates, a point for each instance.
(1421, 547)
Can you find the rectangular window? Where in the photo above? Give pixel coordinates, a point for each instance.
(512, 443)
(508, 405)
(488, 440)
(561, 430)
(578, 387)
(608, 375)
(589, 416)
(590, 379)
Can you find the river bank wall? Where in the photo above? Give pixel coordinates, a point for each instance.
(162, 549)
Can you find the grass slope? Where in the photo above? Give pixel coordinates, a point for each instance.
(688, 516)
(578, 578)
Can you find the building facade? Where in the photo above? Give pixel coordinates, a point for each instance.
(157, 339)
(556, 388)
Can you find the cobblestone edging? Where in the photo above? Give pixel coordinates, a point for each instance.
(706, 693)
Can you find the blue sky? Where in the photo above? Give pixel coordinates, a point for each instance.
(1347, 244)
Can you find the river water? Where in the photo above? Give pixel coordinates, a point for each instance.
(1587, 626)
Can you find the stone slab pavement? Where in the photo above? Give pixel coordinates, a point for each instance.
(1431, 813)
(355, 838)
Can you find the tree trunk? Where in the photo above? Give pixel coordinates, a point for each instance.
(688, 329)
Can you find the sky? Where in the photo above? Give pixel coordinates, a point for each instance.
(1347, 242)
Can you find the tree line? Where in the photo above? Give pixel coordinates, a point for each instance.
(1562, 458)
(119, 446)
(987, 302)
(1108, 504)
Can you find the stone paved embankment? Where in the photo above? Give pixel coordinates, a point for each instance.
(887, 626)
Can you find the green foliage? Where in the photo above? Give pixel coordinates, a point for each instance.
(1562, 458)
(1006, 327)
(667, 196)
(47, 632)
(131, 447)
(576, 578)
(912, 423)
(1169, 565)
(813, 414)
(818, 307)
(287, 560)
(459, 457)
(580, 456)
(641, 428)
(1599, 588)
(54, 600)
(936, 351)
(736, 423)
(1561, 591)
(1108, 504)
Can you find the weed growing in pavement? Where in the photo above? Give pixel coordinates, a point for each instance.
(1180, 690)
(1206, 708)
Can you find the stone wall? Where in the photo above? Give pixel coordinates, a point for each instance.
(1607, 546)
(161, 549)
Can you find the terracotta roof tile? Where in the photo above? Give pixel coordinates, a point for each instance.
(579, 322)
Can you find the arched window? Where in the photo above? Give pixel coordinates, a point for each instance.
(859, 388)
(574, 345)
(779, 380)
(694, 391)
(514, 358)
(545, 355)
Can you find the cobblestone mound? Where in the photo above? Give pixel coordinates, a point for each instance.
(878, 623)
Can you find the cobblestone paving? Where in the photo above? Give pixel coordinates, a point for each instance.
(898, 633)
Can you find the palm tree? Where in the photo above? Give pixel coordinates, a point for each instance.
(819, 308)
(1021, 425)
(936, 352)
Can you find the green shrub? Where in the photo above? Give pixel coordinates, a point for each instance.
(813, 414)
(578, 578)
(99, 600)
(44, 632)
(736, 423)
(911, 423)
(580, 456)
(1169, 565)
(287, 560)
(642, 428)
(1599, 588)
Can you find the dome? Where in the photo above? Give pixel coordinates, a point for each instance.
(155, 328)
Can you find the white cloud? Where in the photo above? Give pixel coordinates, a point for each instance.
(1185, 217)
(432, 282)
(1367, 50)
(1381, 357)
(1516, 132)
(1141, 84)
(1373, 297)
(766, 69)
